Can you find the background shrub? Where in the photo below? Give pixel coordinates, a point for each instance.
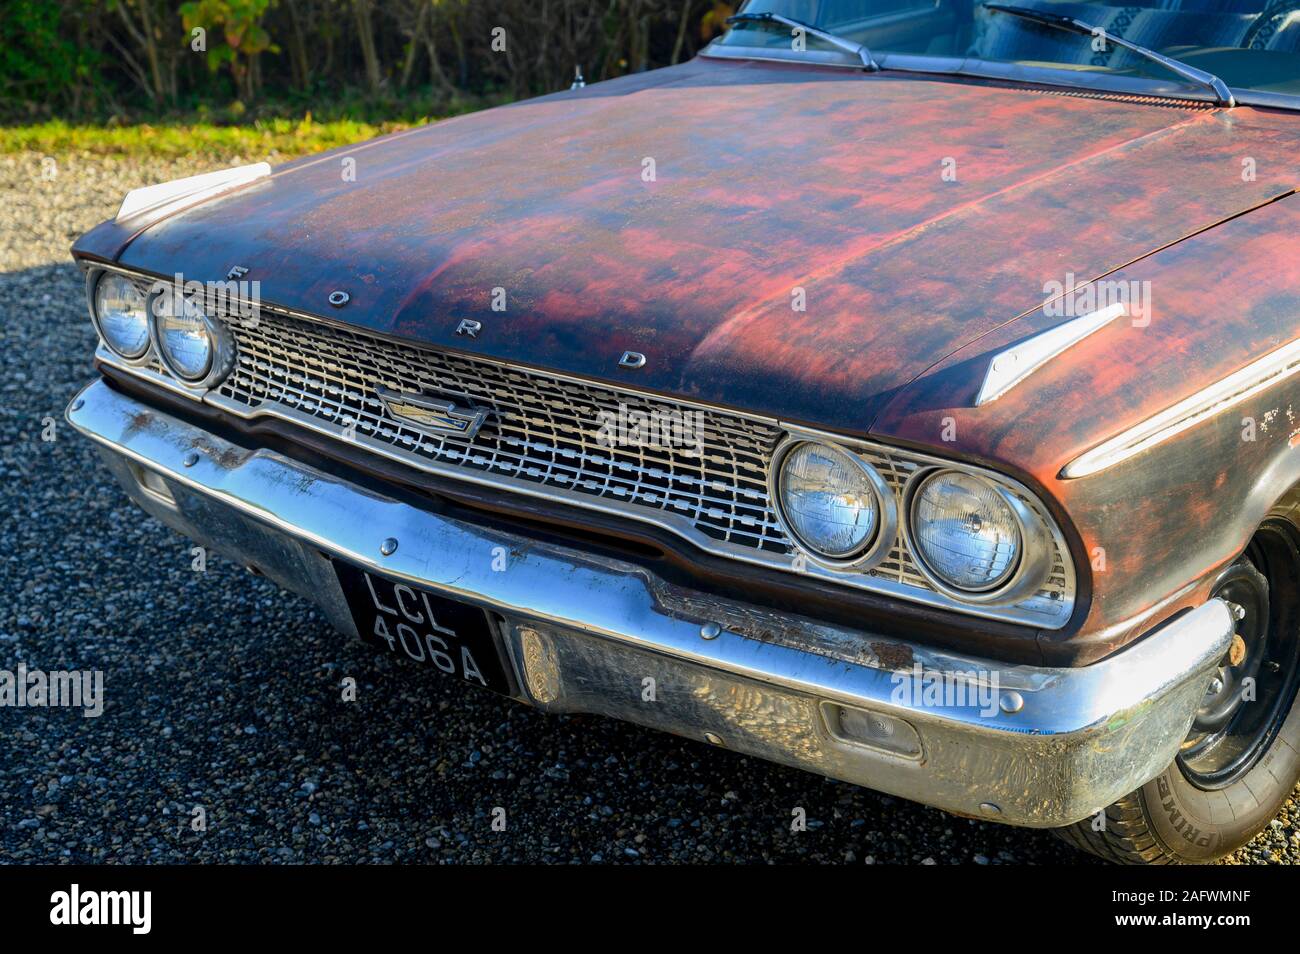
(122, 59)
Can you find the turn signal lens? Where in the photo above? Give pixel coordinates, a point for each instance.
(874, 729)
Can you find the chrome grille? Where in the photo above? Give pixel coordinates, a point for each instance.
(539, 429)
(541, 436)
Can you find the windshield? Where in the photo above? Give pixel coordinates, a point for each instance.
(1250, 44)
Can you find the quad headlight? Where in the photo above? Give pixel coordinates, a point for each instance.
(193, 346)
(184, 342)
(978, 538)
(832, 501)
(966, 531)
(120, 314)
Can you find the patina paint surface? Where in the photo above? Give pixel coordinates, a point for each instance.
(770, 179)
(766, 179)
(1172, 515)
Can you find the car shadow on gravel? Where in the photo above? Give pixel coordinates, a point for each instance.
(226, 735)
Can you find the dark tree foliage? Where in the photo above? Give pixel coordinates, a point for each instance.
(91, 58)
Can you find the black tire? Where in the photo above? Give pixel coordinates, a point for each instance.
(1189, 814)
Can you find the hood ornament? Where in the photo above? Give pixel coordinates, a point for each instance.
(1008, 368)
(169, 196)
(432, 415)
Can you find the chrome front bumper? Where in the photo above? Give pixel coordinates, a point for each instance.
(1030, 746)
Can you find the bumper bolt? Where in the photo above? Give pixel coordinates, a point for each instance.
(78, 404)
(191, 459)
(988, 808)
(1011, 703)
(388, 546)
(710, 631)
(712, 738)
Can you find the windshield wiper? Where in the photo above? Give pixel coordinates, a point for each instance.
(1222, 94)
(857, 49)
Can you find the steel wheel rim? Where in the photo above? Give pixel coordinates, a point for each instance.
(1235, 724)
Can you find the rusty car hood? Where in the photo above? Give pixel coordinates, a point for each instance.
(800, 242)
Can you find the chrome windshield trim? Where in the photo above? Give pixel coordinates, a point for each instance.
(1082, 28)
(1008, 72)
(843, 43)
(779, 55)
(1267, 371)
(1266, 99)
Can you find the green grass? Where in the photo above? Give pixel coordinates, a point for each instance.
(276, 128)
(282, 138)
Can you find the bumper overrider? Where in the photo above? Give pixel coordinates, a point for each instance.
(580, 632)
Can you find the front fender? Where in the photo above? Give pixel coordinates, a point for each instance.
(1151, 529)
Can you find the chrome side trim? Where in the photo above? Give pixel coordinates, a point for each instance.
(1046, 746)
(1008, 368)
(164, 197)
(1257, 376)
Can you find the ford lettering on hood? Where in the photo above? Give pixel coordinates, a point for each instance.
(797, 242)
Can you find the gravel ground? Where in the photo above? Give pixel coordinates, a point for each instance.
(223, 692)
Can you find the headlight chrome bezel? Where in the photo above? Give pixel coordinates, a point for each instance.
(93, 277)
(222, 343)
(1044, 549)
(875, 549)
(1034, 562)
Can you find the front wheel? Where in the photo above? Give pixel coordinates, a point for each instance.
(1241, 759)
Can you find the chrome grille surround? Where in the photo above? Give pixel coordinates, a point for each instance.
(541, 439)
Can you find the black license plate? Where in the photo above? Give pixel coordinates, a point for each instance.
(452, 637)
